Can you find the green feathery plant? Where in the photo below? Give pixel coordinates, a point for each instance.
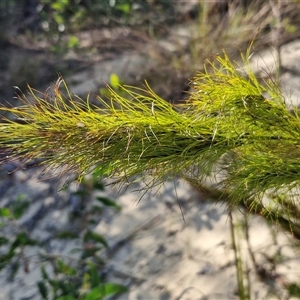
(232, 128)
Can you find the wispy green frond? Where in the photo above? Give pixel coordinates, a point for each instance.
(232, 126)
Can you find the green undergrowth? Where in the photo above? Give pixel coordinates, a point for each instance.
(233, 129)
(75, 274)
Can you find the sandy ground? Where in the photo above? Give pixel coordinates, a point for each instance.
(158, 251)
(169, 258)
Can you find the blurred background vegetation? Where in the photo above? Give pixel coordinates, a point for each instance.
(40, 38)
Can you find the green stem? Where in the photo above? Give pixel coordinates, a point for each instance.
(238, 261)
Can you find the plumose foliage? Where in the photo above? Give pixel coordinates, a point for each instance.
(233, 129)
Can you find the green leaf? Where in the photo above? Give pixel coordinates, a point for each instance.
(114, 81)
(104, 170)
(4, 259)
(63, 268)
(94, 294)
(107, 289)
(55, 285)
(93, 236)
(44, 273)
(22, 239)
(67, 288)
(66, 235)
(19, 207)
(108, 202)
(5, 212)
(114, 289)
(60, 5)
(59, 19)
(293, 289)
(43, 289)
(90, 252)
(94, 276)
(125, 8)
(3, 240)
(73, 42)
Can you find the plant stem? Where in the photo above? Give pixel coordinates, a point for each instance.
(238, 261)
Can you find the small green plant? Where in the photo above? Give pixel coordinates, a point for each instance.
(80, 278)
(79, 282)
(13, 248)
(62, 277)
(294, 289)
